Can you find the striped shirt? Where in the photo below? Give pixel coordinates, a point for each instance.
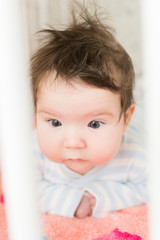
(118, 184)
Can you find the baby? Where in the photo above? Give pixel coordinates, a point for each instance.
(82, 82)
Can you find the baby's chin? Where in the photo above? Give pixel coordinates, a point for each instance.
(79, 166)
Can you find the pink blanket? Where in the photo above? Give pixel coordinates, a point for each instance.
(132, 220)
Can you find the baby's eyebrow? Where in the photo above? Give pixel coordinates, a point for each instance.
(44, 111)
(104, 113)
(87, 114)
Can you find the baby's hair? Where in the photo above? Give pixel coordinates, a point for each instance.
(86, 50)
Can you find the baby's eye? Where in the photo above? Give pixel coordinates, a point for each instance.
(95, 124)
(55, 123)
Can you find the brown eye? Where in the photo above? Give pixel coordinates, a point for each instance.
(55, 123)
(94, 124)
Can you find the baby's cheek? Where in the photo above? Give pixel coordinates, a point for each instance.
(104, 155)
(48, 151)
(100, 157)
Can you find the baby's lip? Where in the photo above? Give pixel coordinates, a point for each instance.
(76, 159)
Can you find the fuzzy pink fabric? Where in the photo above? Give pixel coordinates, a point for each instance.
(118, 235)
(132, 220)
(129, 221)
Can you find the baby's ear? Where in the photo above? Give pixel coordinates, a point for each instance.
(128, 115)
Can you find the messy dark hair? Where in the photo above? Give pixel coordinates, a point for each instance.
(88, 50)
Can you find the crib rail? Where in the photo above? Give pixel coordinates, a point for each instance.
(15, 128)
(151, 52)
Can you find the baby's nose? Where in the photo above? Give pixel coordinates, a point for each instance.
(74, 140)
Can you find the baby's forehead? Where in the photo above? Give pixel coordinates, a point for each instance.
(72, 87)
(77, 93)
(54, 82)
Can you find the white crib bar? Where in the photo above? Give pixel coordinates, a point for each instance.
(16, 159)
(151, 56)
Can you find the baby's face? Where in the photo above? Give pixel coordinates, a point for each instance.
(78, 125)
